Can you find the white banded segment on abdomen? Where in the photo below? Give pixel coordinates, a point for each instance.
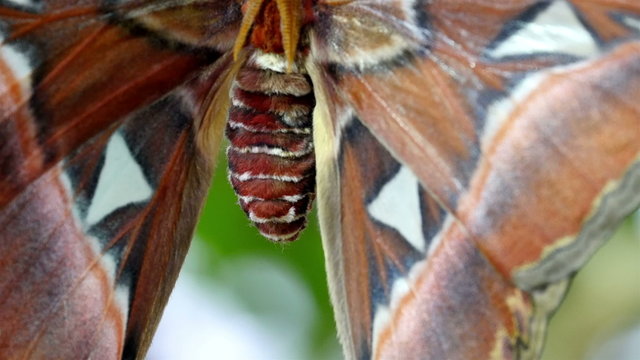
(271, 157)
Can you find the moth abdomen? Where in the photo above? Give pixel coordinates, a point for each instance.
(271, 157)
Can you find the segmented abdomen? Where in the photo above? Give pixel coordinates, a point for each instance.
(271, 158)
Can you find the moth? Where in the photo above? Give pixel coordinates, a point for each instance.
(468, 158)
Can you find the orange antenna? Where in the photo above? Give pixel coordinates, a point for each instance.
(253, 7)
(290, 22)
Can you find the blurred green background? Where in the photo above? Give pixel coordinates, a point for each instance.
(227, 233)
(283, 289)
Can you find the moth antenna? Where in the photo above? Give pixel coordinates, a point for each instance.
(252, 9)
(290, 23)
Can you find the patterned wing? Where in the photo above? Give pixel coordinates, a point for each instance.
(478, 153)
(107, 141)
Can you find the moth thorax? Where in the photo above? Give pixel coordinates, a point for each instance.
(266, 34)
(271, 157)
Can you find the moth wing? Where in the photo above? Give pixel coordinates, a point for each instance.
(109, 131)
(71, 71)
(513, 130)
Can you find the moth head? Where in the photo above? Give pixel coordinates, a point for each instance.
(274, 26)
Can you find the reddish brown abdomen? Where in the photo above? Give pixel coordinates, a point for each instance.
(271, 158)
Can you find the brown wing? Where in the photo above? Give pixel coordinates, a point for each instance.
(108, 133)
(516, 122)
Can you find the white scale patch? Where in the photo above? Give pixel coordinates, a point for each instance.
(398, 206)
(499, 111)
(121, 182)
(400, 289)
(239, 125)
(275, 62)
(383, 314)
(403, 286)
(108, 264)
(290, 217)
(632, 22)
(246, 176)
(275, 151)
(20, 66)
(17, 62)
(28, 4)
(555, 30)
(107, 261)
(503, 108)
